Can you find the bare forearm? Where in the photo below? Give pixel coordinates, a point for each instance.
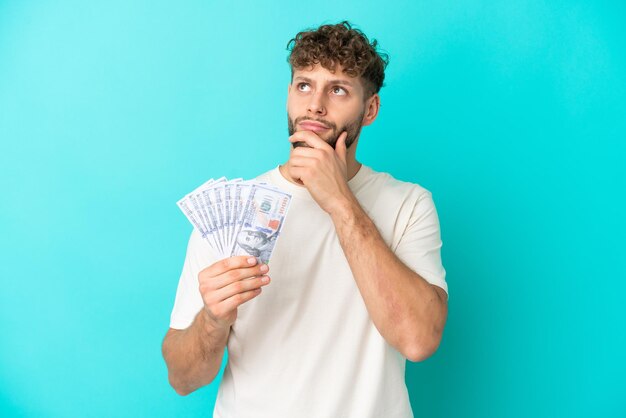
(404, 307)
(194, 355)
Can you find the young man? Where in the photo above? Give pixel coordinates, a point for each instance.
(357, 285)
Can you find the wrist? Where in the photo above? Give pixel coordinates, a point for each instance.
(211, 326)
(345, 209)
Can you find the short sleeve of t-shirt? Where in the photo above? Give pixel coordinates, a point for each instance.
(420, 245)
(188, 299)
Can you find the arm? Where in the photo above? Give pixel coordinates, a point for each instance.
(408, 312)
(194, 355)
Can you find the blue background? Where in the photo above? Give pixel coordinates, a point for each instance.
(511, 113)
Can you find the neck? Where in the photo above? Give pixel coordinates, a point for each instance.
(353, 167)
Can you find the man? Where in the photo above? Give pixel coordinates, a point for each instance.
(357, 285)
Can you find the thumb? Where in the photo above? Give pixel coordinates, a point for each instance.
(340, 146)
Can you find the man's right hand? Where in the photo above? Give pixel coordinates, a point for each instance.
(227, 284)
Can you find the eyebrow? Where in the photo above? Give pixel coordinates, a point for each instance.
(308, 80)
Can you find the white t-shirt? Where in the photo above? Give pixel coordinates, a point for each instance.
(306, 346)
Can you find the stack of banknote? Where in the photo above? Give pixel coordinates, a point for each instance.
(237, 217)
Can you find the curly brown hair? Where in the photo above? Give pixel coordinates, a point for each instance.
(330, 45)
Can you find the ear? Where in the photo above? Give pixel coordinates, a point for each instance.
(372, 106)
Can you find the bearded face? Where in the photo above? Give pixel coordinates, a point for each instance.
(352, 127)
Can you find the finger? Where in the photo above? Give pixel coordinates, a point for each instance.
(234, 301)
(310, 139)
(232, 276)
(240, 286)
(302, 161)
(308, 152)
(340, 146)
(228, 264)
(299, 173)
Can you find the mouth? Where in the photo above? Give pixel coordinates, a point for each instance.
(313, 126)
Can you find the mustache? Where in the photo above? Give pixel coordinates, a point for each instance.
(322, 121)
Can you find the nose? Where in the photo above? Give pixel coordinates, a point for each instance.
(316, 105)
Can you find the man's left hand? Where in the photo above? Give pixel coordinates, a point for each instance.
(321, 169)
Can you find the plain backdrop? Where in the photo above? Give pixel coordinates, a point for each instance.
(512, 113)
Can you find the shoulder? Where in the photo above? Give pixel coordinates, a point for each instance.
(386, 185)
(396, 206)
(267, 176)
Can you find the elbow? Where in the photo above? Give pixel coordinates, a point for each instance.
(182, 392)
(179, 388)
(420, 351)
(183, 386)
(417, 354)
(421, 342)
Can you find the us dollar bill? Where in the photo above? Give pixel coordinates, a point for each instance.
(237, 217)
(262, 220)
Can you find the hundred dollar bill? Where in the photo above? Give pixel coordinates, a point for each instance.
(242, 193)
(198, 202)
(208, 207)
(261, 221)
(189, 208)
(237, 217)
(229, 203)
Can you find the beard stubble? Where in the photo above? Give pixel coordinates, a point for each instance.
(353, 128)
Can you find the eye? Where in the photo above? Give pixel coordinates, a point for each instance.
(344, 92)
(302, 84)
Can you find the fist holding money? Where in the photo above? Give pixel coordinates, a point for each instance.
(229, 283)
